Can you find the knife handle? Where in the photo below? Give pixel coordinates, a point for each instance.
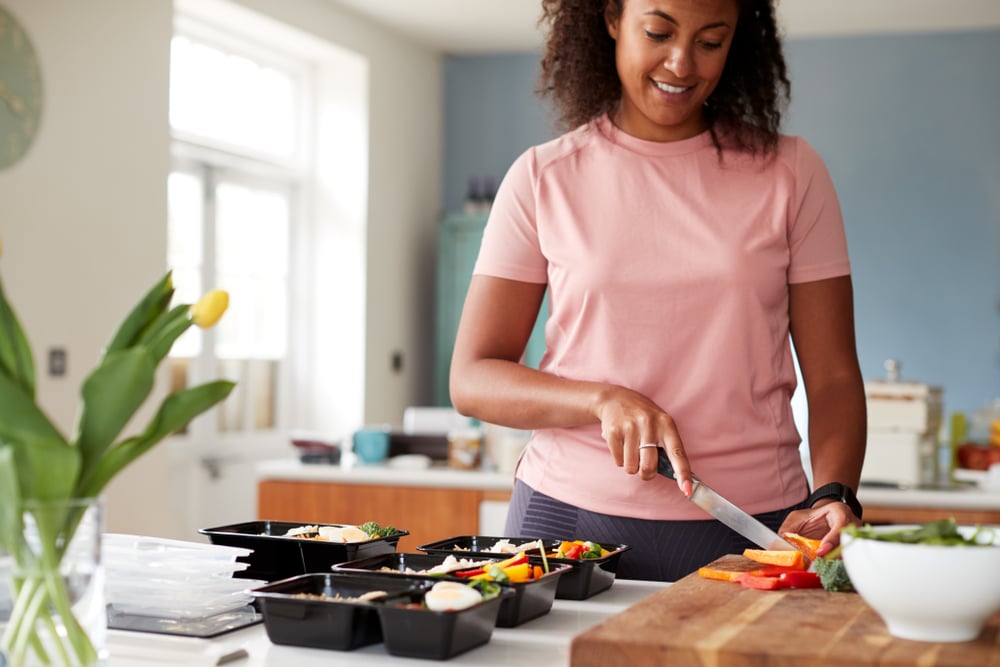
(663, 465)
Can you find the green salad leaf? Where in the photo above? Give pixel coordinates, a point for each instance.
(488, 589)
(944, 532)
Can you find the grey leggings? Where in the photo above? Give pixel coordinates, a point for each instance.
(661, 550)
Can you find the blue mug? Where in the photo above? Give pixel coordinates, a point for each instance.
(371, 445)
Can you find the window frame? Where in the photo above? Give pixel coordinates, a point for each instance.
(212, 162)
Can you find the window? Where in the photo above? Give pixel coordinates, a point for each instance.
(237, 118)
(268, 199)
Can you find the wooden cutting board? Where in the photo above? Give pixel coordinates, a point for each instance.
(698, 621)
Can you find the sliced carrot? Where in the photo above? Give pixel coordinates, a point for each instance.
(721, 575)
(806, 545)
(786, 558)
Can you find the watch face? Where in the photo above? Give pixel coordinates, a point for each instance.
(20, 91)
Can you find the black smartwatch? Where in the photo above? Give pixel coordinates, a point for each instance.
(840, 492)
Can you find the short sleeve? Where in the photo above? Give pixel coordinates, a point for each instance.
(510, 247)
(817, 241)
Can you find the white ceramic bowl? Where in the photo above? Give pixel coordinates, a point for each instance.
(933, 593)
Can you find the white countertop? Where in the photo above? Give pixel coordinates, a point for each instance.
(541, 642)
(969, 497)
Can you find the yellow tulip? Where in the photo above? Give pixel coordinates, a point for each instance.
(210, 308)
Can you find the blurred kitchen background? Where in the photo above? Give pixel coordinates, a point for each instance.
(315, 175)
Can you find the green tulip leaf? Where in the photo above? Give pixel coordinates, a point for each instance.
(110, 396)
(143, 315)
(160, 337)
(10, 500)
(46, 464)
(176, 410)
(22, 422)
(16, 360)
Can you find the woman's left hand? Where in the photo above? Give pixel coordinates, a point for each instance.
(822, 522)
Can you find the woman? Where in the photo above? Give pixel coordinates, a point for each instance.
(683, 240)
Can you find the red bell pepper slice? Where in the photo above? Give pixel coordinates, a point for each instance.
(574, 552)
(800, 579)
(469, 573)
(759, 582)
(774, 571)
(785, 577)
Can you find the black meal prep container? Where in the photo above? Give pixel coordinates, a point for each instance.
(437, 635)
(276, 556)
(584, 579)
(531, 599)
(294, 620)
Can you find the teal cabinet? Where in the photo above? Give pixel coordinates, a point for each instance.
(459, 238)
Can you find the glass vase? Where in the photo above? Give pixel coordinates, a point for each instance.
(55, 586)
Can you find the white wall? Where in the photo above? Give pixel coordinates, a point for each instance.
(83, 215)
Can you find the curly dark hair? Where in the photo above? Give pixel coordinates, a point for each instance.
(579, 74)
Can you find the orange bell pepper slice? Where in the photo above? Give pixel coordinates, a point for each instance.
(786, 558)
(806, 545)
(719, 574)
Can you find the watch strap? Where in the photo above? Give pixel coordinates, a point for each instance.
(837, 491)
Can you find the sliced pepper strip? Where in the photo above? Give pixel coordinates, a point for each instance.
(806, 545)
(721, 575)
(787, 558)
(788, 577)
(761, 583)
(800, 579)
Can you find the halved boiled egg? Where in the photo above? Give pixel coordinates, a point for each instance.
(451, 596)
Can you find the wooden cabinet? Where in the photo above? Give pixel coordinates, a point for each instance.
(428, 513)
(459, 238)
(876, 514)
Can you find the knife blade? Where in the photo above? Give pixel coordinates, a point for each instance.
(712, 502)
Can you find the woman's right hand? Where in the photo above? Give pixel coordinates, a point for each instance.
(630, 419)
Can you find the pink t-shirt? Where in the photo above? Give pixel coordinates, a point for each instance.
(668, 273)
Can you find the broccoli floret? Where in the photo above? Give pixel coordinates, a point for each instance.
(833, 575)
(376, 530)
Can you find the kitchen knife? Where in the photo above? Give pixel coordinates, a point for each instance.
(709, 500)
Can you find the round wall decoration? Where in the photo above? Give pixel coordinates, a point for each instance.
(20, 90)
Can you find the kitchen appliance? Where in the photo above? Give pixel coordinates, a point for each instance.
(900, 458)
(709, 500)
(904, 418)
(898, 405)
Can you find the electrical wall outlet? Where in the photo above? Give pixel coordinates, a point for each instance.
(57, 361)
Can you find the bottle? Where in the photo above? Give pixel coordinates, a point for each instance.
(473, 196)
(487, 194)
(465, 446)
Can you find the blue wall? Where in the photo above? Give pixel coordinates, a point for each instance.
(909, 126)
(491, 116)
